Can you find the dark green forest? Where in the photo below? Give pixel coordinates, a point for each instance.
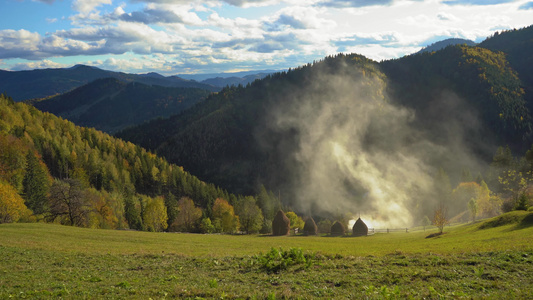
(110, 105)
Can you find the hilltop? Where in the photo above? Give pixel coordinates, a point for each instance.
(110, 105)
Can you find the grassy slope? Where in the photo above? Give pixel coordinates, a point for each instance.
(40, 260)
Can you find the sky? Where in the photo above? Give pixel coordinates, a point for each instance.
(211, 36)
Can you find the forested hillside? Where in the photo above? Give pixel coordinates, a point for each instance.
(518, 48)
(218, 140)
(110, 105)
(473, 86)
(52, 170)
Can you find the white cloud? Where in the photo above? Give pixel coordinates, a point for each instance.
(43, 64)
(244, 34)
(86, 6)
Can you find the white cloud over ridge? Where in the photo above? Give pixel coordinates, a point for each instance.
(217, 35)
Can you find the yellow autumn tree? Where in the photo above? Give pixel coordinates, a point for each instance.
(12, 206)
(296, 221)
(155, 214)
(224, 217)
(489, 205)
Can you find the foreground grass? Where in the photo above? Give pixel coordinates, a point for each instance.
(493, 259)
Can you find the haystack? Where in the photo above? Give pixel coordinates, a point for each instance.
(359, 228)
(281, 225)
(337, 229)
(310, 227)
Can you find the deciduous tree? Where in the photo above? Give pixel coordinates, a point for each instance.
(155, 214)
(68, 202)
(440, 218)
(296, 221)
(187, 216)
(11, 204)
(224, 214)
(473, 208)
(250, 215)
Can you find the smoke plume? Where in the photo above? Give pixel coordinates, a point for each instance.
(357, 152)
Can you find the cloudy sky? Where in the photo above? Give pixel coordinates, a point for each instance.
(207, 36)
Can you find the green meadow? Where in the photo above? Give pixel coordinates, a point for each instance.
(489, 259)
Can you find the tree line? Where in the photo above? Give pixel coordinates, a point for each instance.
(54, 171)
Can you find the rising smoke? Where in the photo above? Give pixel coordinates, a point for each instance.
(358, 152)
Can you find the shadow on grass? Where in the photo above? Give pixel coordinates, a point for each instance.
(435, 235)
(520, 220)
(527, 221)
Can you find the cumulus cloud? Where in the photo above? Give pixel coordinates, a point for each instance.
(367, 39)
(476, 2)
(86, 6)
(447, 17)
(354, 3)
(299, 18)
(154, 14)
(43, 64)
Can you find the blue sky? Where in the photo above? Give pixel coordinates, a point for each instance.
(208, 36)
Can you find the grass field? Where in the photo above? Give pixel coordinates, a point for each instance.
(489, 259)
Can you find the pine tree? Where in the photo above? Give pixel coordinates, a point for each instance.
(36, 184)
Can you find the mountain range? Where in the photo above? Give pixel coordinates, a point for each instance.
(475, 98)
(110, 104)
(43, 83)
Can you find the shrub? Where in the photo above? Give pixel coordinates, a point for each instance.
(276, 260)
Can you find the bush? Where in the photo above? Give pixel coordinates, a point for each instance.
(276, 260)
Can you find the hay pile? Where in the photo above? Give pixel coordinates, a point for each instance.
(281, 225)
(359, 228)
(337, 229)
(310, 227)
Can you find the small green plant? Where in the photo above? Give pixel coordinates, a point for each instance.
(277, 260)
(479, 272)
(213, 283)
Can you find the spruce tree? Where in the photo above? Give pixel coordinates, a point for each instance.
(36, 184)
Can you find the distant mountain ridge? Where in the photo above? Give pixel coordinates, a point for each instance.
(42, 83)
(110, 104)
(204, 76)
(445, 43)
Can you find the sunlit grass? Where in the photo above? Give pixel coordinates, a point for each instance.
(489, 259)
(457, 239)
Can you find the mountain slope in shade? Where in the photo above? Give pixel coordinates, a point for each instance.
(41, 83)
(469, 95)
(110, 105)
